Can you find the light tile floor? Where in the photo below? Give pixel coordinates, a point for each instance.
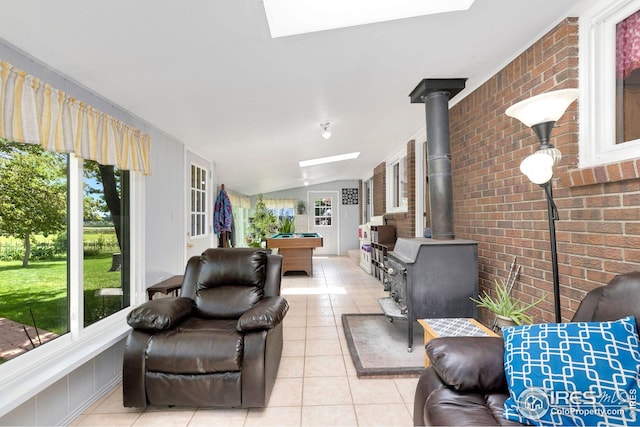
(317, 383)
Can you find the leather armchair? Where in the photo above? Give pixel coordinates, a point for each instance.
(466, 383)
(219, 344)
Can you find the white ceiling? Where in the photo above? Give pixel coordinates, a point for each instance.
(208, 73)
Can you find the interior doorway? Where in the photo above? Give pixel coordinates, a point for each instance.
(324, 219)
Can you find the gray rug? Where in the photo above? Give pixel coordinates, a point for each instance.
(378, 346)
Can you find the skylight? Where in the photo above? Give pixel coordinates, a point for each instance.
(290, 17)
(330, 159)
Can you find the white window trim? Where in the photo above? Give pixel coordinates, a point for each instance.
(597, 35)
(390, 162)
(208, 215)
(34, 371)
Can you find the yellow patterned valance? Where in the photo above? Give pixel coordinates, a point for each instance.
(31, 111)
(239, 201)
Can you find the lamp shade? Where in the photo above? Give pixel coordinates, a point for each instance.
(538, 167)
(546, 107)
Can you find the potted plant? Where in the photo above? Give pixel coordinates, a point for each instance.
(287, 225)
(509, 311)
(301, 207)
(262, 224)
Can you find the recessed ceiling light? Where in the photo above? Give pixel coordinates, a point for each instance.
(289, 17)
(330, 159)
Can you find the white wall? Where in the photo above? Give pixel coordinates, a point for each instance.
(165, 212)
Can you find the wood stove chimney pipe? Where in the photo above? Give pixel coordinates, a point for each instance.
(435, 94)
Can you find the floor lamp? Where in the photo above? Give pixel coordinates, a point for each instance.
(540, 113)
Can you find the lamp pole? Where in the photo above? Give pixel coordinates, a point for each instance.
(540, 113)
(552, 212)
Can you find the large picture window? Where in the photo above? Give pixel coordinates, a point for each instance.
(37, 291)
(105, 241)
(34, 291)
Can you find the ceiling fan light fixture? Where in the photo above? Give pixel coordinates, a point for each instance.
(326, 132)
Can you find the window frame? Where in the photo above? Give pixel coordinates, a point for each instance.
(201, 212)
(39, 368)
(597, 46)
(393, 191)
(317, 217)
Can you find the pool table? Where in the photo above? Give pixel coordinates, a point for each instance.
(296, 250)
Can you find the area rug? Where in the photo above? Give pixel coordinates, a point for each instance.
(378, 346)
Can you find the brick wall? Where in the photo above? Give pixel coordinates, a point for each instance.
(598, 234)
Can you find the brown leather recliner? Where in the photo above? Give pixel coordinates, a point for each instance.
(466, 384)
(219, 344)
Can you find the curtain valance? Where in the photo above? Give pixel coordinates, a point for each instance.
(238, 201)
(31, 111)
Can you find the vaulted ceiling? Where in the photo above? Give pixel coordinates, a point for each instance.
(209, 73)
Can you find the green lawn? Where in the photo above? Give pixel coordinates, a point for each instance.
(42, 287)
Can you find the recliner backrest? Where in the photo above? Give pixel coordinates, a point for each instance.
(620, 298)
(226, 282)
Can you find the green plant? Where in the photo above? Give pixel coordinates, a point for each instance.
(301, 207)
(263, 223)
(503, 304)
(287, 225)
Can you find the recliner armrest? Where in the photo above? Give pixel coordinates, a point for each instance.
(469, 363)
(266, 314)
(160, 314)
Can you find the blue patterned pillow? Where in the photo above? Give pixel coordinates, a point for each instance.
(583, 373)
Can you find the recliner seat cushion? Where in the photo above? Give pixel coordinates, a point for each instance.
(197, 346)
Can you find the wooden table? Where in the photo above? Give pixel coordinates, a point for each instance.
(168, 286)
(452, 327)
(296, 250)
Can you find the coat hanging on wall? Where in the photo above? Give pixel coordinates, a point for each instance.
(222, 218)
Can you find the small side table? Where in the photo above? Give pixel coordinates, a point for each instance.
(452, 327)
(168, 286)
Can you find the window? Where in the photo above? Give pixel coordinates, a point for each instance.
(283, 210)
(46, 278)
(628, 79)
(105, 241)
(198, 201)
(610, 92)
(322, 212)
(397, 200)
(34, 289)
(367, 200)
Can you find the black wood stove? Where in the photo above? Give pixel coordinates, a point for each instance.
(434, 278)
(431, 279)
